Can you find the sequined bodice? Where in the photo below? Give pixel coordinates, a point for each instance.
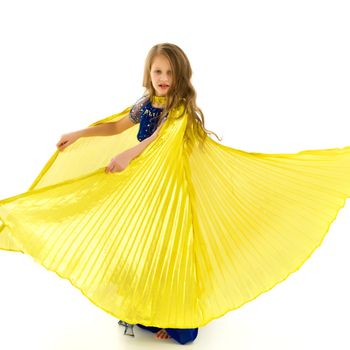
(148, 116)
(148, 120)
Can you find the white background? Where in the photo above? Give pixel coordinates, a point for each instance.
(270, 76)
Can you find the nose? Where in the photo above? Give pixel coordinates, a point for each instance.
(164, 79)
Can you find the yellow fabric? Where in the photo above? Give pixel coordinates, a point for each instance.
(183, 235)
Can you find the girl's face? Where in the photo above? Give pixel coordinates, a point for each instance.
(161, 75)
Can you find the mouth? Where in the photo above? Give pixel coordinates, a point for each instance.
(163, 86)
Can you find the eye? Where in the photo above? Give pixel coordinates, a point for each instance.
(158, 71)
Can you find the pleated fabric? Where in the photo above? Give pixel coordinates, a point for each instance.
(184, 234)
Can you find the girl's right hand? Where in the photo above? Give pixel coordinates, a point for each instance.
(67, 139)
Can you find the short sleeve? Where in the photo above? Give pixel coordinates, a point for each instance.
(136, 109)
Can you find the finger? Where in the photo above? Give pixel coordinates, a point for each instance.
(115, 168)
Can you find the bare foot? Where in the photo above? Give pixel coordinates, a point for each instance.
(162, 334)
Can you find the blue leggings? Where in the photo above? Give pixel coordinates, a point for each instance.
(181, 335)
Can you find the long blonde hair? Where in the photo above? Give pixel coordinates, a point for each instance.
(180, 91)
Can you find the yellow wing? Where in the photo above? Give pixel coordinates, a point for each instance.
(183, 235)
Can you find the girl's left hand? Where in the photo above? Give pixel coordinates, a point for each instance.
(118, 163)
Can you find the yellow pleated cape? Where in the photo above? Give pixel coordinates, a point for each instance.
(182, 235)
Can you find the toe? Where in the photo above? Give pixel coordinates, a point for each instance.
(161, 334)
(158, 334)
(165, 334)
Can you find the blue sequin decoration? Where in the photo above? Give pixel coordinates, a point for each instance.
(148, 120)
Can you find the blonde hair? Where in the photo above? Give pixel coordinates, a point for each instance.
(180, 91)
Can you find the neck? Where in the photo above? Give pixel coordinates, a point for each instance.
(159, 100)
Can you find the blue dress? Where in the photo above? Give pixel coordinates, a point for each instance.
(144, 113)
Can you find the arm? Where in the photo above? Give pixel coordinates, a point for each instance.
(121, 160)
(107, 129)
(133, 152)
(104, 129)
(136, 150)
(112, 128)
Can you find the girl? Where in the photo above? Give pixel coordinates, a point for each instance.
(177, 229)
(158, 81)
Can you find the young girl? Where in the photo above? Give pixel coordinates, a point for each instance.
(161, 226)
(158, 81)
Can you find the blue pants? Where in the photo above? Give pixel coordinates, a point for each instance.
(181, 335)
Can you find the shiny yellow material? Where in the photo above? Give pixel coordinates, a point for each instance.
(182, 235)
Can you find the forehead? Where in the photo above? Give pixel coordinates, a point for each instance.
(161, 61)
